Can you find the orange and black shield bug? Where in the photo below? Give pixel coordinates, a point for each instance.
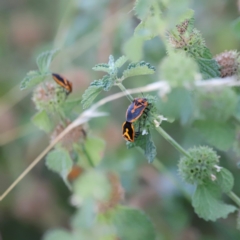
(74, 173)
(136, 109)
(128, 131)
(63, 82)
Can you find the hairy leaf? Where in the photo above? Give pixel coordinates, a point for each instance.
(207, 203)
(179, 104)
(136, 69)
(146, 143)
(220, 135)
(104, 67)
(70, 104)
(218, 105)
(92, 185)
(133, 224)
(209, 68)
(89, 95)
(32, 79)
(42, 120)
(236, 27)
(121, 61)
(179, 69)
(225, 180)
(133, 48)
(44, 60)
(98, 145)
(59, 161)
(57, 234)
(107, 82)
(149, 28)
(142, 8)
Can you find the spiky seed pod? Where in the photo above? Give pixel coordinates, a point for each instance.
(228, 62)
(48, 97)
(201, 167)
(116, 194)
(74, 136)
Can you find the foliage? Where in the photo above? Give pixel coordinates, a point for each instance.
(203, 116)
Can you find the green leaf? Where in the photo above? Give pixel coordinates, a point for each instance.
(92, 185)
(209, 68)
(57, 234)
(59, 161)
(121, 61)
(236, 27)
(149, 28)
(85, 217)
(179, 104)
(179, 69)
(218, 105)
(111, 63)
(225, 180)
(220, 135)
(133, 48)
(95, 88)
(207, 203)
(70, 104)
(42, 121)
(136, 69)
(44, 60)
(133, 224)
(94, 148)
(104, 67)
(32, 79)
(89, 95)
(107, 82)
(146, 143)
(142, 8)
(206, 54)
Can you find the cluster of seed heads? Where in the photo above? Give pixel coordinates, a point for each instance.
(48, 97)
(74, 136)
(116, 194)
(228, 62)
(200, 167)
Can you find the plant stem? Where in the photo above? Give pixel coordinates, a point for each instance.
(172, 141)
(129, 96)
(87, 156)
(234, 197)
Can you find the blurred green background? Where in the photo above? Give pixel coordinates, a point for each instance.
(88, 32)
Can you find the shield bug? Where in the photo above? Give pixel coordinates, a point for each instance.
(128, 131)
(63, 82)
(75, 172)
(136, 109)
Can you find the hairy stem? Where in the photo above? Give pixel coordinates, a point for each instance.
(87, 156)
(234, 197)
(123, 89)
(173, 142)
